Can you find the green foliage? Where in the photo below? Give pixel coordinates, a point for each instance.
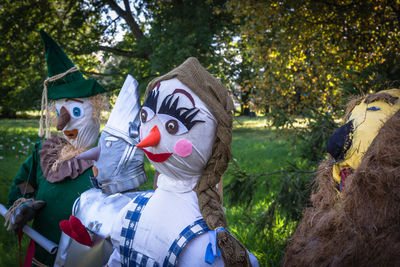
(72, 23)
(315, 136)
(172, 32)
(180, 29)
(304, 52)
(380, 76)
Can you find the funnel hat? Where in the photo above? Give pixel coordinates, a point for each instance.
(118, 162)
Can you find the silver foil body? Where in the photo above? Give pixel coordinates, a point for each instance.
(120, 163)
(97, 212)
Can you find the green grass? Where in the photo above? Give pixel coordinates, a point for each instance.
(259, 148)
(17, 138)
(256, 147)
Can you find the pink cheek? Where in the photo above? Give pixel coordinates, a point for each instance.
(183, 148)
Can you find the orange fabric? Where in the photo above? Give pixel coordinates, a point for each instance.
(152, 139)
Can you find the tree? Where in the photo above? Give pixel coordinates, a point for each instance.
(21, 53)
(305, 52)
(158, 36)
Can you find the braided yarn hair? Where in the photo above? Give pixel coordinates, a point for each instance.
(215, 96)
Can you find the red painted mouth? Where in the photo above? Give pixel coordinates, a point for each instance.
(344, 173)
(161, 157)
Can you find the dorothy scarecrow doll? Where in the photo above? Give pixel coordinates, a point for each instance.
(186, 131)
(50, 180)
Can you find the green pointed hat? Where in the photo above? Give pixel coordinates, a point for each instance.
(64, 79)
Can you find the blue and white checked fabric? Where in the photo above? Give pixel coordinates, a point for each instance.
(128, 234)
(196, 228)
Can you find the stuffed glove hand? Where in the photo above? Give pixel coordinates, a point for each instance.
(26, 212)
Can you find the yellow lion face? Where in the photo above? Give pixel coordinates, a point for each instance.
(351, 141)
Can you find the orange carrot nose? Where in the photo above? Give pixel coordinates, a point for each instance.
(152, 139)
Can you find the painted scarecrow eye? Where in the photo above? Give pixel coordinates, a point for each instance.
(77, 112)
(172, 126)
(58, 113)
(373, 109)
(146, 114)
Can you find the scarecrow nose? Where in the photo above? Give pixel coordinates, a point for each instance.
(340, 141)
(63, 119)
(152, 139)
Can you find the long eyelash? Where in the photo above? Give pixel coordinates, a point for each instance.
(151, 100)
(186, 117)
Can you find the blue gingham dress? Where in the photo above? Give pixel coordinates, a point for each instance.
(131, 257)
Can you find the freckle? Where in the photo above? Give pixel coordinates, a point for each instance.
(183, 148)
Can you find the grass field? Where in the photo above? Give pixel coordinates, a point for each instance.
(256, 149)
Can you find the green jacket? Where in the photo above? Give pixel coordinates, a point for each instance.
(59, 199)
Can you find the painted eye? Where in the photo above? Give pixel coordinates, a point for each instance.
(172, 126)
(373, 108)
(76, 112)
(58, 113)
(146, 114)
(143, 115)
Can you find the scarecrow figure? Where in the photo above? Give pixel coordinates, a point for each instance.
(355, 215)
(185, 131)
(51, 179)
(118, 171)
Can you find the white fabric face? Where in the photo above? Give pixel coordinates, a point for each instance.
(81, 119)
(189, 138)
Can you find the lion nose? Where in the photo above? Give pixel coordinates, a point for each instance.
(63, 119)
(340, 141)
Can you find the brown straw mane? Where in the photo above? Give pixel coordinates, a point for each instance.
(359, 227)
(381, 97)
(215, 96)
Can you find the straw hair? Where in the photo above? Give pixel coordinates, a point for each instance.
(215, 96)
(44, 104)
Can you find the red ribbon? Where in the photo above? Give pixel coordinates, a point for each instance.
(29, 253)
